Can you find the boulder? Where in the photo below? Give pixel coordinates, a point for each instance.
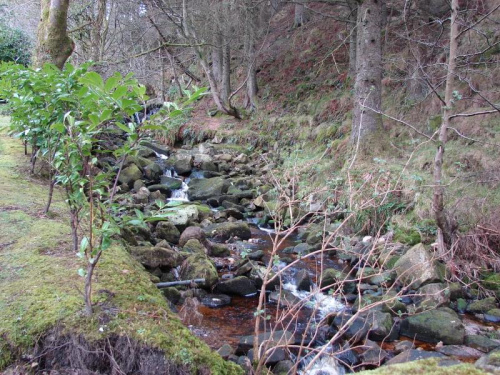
(183, 215)
(490, 362)
(241, 159)
(153, 172)
(432, 296)
(161, 188)
(413, 355)
(382, 326)
(374, 355)
(356, 330)
(481, 343)
(303, 280)
(183, 164)
(205, 188)
(216, 300)
(198, 266)
(224, 231)
(432, 326)
(192, 233)
(172, 294)
(219, 250)
(482, 305)
(240, 286)
(165, 230)
(333, 278)
(142, 196)
(129, 175)
(156, 257)
(275, 337)
(460, 351)
(194, 246)
(417, 267)
(159, 149)
(171, 183)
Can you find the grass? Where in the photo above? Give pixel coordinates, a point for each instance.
(40, 288)
(425, 367)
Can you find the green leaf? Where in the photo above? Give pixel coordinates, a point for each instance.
(119, 92)
(58, 127)
(111, 82)
(84, 244)
(92, 79)
(81, 272)
(124, 127)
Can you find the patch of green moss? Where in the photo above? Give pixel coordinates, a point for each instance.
(40, 287)
(408, 236)
(425, 367)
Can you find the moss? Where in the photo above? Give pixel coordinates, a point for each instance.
(408, 236)
(425, 366)
(39, 284)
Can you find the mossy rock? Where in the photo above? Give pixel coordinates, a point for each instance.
(165, 230)
(198, 266)
(224, 231)
(407, 236)
(482, 305)
(194, 246)
(129, 175)
(425, 367)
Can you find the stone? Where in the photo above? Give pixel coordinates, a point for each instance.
(482, 305)
(234, 213)
(183, 164)
(374, 355)
(129, 175)
(228, 204)
(382, 326)
(417, 267)
(413, 355)
(161, 188)
(224, 231)
(156, 257)
(138, 184)
(356, 330)
(172, 294)
(432, 296)
(182, 216)
(492, 316)
(241, 159)
(272, 338)
(284, 298)
(333, 278)
(256, 255)
(456, 291)
(303, 280)
(192, 233)
(461, 351)
(205, 188)
(490, 362)
(159, 149)
(165, 230)
(153, 172)
(219, 250)
(198, 266)
(240, 286)
(216, 300)
(403, 346)
(142, 196)
(208, 166)
(193, 246)
(432, 326)
(481, 343)
(171, 183)
(283, 367)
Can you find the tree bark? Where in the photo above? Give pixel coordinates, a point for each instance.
(97, 31)
(225, 87)
(353, 16)
(445, 229)
(53, 43)
(368, 84)
(300, 17)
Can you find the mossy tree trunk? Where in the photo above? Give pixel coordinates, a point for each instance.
(53, 43)
(368, 84)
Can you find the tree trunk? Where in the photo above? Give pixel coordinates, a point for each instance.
(225, 87)
(217, 58)
(53, 44)
(300, 17)
(97, 31)
(353, 16)
(251, 26)
(368, 84)
(445, 229)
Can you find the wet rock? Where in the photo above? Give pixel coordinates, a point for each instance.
(216, 300)
(161, 188)
(240, 286)
(231, 212)
(284, 298)
(156, 257)
(481, 343)
(460, 351)
(283, 367)
(183, 164)
(228, 204)
(192, 233)
(128, 236)
(219, 250)
(334, 278)
(482, 306)
(241, 159)
(276, 338)
(138, 184)
(256, 255)
(373, 355)
(432, 326)
(382, 326)
(165, 230)
(159, 149)
(303, 280)
(432, 296)
(417, 267)
(129, 175)
(171, 183)
(153, 172)
(492, 316)
(198, 266)
(413, 355)
(202, 189)
(194, 246)
(490, 362)
(456, 291)
(403, 346)
(182, 216)
(172, 294)
(224, 231)
(356, 330)
(142, 196)
(208, 166)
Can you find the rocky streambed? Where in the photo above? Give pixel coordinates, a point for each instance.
(353, 302)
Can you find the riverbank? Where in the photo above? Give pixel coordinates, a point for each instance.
(43, 326)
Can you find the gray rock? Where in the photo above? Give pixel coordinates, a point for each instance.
(275, 337)
(156, 257)
(224, 231)
(165, 230)
(129, 175)
(142, 196)
(432, 296)
(357, 329)
(216, 300)
(193, 246)
(413, 355)
(198, 266)
(172, 294)
(374, 355)
(417, 267)
(183, 164)
(153, 172)
(303, 280)
(382, 326)
(490, 362)
(161, 188)
(159, 149)
(460, 351)
(205, 188)
(481, 343)
(192, 233)
(482, 305)
(433, 326)
(240, 286)
(171, 183)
